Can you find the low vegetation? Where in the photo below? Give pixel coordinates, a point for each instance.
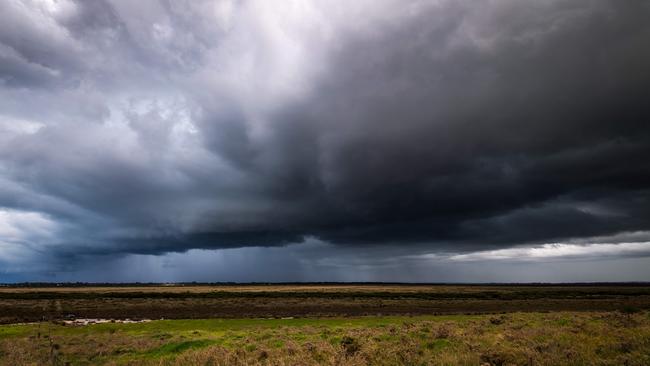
(325, 324)
(28, 303)
(555, 338)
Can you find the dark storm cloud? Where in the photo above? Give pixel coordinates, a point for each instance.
(451, 126)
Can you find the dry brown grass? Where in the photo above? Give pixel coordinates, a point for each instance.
(562, 338)
(609, 339)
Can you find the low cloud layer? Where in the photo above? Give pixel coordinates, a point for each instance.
(402, 128)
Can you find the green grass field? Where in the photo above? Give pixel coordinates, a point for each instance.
(557, 338)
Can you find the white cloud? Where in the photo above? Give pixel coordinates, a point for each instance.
(20, 232)
(10, 126)
(20, 225)
(558, 251)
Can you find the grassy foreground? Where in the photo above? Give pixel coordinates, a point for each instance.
(559, 338)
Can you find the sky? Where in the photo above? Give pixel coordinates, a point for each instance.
(408, 141)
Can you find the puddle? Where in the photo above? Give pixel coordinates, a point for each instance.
(89, 321)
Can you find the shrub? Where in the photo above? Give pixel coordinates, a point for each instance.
(350, 345)
(630, 310)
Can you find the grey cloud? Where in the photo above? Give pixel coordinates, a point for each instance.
(430, 126)
(314, 262)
